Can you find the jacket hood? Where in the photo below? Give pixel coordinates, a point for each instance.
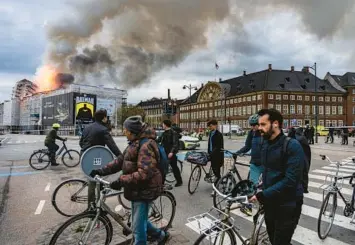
(299, 131)
(148, 132)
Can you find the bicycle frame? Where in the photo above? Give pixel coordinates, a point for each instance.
(64, 147)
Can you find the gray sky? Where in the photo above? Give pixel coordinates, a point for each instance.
(168, 45)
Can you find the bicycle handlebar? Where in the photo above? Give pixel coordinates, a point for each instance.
(234, 153)
(324, 157)
(241, 199)
(98, 179)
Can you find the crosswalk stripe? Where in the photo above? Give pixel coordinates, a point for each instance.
(319, 197)
(347, 166)
(318, 185)
(329, 172)
(322, 178)
(341, 169)
(302, 235)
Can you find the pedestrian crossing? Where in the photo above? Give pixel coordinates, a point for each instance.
(342, 232)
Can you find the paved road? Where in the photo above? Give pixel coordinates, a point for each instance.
(29, 217)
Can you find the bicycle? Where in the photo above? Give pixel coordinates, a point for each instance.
(197, 170)
(42, 158)
(99, 217)
(228, 181)
(333, 189)
(222, 230)
(78, 196)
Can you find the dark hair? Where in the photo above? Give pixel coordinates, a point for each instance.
(212, 122)
(167, 123)
(100, 115)
(274, 115)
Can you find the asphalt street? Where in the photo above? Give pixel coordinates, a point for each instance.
(29, 218)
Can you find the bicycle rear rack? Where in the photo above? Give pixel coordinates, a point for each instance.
(203, 223)
(328, 184)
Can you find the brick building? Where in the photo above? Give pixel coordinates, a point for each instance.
(289, 91)
(155, 111)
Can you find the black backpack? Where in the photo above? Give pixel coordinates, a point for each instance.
(177, 130)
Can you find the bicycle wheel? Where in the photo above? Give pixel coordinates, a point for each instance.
(39, 160)
(162, 210)
(74, 235)
(124, 202)
(194, 179)
(170, 175)
(225, 238)
(71, 197)
(260, 235)
(71, 158)
(225, 185)
(327, 210)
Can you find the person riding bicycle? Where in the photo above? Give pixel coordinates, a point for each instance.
(141, 177)
(49, 142)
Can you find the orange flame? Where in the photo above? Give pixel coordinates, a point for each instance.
(46, 79)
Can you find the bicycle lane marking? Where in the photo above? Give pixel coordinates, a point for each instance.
(40, 207)
(301, 233)
(48, 186)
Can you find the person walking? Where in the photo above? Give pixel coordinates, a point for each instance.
(170, 141)
(215, 149)
(97, 134)
(311, 138)
(141, 178)
(282, 178)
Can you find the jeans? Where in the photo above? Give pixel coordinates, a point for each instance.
(280, 223)
(141, 225)
(255, 172)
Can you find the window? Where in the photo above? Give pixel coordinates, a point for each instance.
(321, 122)
(299, 122)
(271, 106)
(334, 110)
(313, 98)
(254, 97)
(313, 109)
(235, 101)
(299, 97)
(292, 109)
(259, 107)
(340, 99)
(249, 109)
(244, 110)
(340, 110)
(293, 122)
(278, 107)
(278, 97)
(306, 98)
(215, 103)
(340, 123)
(259, 96)
(239, 100)
(249, 98)
(285, 109)
(285, 97)
(299, 109)
(285, 123)
(227, 113)
(244, 99)
(271, 96)
(253, 109)
(321, 110)
(334, 122)
(327, 123)
(327, 110)
(320, 98)
(307, 109)
(292, 97)
(327, 98)
(227, 102)
(219, 102)
(334, 99)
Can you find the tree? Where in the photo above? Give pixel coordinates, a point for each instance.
(127, 111)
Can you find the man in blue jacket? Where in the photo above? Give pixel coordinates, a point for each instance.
(253, 143)
(281, 178)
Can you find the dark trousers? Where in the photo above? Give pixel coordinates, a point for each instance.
(280, 223)
(311, 140)
(298, 212)
(216, 168)
(52, 147)
(345, 140)
(176, 170)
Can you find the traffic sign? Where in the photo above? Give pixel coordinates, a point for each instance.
(95, 157)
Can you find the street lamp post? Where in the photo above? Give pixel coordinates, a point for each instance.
(314, 67)
(189, 87)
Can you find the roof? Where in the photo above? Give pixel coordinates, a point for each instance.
(274, 80)
(194, 97)
(155, 101)
(348, 79)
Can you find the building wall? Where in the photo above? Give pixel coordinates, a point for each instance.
(350, 103)
(11, 116)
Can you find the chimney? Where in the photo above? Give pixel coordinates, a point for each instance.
(220, 79)
(270, 67)
(244, 73)
(305, 69)
(292, 68)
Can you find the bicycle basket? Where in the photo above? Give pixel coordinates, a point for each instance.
(195, 157)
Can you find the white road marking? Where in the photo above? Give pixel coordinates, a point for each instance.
(343, 190)
(344, 166)
(319, 197)
(40, 207)
(341, 169)
(319, 177)
(329, 172)
(48, 186)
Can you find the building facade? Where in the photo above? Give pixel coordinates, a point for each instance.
(155, 111)
(294, 93)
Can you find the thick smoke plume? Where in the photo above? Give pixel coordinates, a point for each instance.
(132, 40)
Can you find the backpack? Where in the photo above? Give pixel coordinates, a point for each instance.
(163, 164)
(177, 130)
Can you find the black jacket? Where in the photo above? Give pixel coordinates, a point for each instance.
(51, 137)
(98, 134)
(216, 154)
(170, 141)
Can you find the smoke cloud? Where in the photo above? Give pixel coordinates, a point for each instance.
(132, 40)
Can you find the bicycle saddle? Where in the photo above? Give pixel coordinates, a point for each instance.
(244, 188)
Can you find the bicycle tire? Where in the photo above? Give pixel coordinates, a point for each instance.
(44, 154)
(169, 177)
(321, 211)
(172, 200)
(102, 218)
(74, 153)
(197, 168)
(263, 237)
(205, 234)
(54, 196)
(227, 179)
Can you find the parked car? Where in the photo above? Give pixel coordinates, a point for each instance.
(185, 142)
